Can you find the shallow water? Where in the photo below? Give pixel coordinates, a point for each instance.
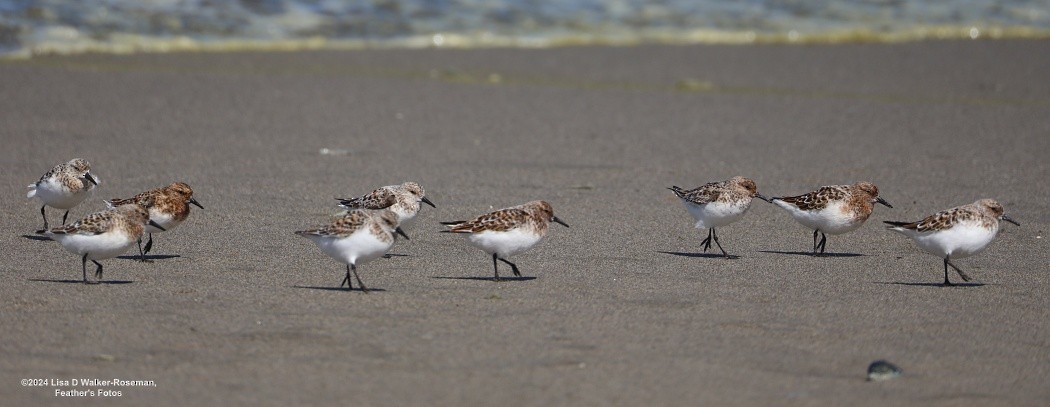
(29, 27)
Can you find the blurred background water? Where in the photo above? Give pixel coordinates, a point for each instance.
(30, 27)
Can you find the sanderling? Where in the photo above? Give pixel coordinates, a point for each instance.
(402, 199)
(956, 233)
(835, 209)
(103, 235)
(508, 231)
(65, 186)
(168, 207)
(357, 237)
(718, 204)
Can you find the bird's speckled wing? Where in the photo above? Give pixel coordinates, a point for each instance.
(379, 199)
(944, 219)
(94, 224)
(344, 226)
(498, 221)
(703, 194)
(146, 199)
(818, 199)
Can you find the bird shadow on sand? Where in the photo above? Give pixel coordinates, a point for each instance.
(310, 287)
(810, 254)
(37, 238)
(702, 255)
(49, 280)
(150, 257)
(939, 285)
(493, 279)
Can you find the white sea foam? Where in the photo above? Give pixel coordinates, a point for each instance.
(123, 26)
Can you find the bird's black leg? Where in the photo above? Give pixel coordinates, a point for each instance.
(83, 267)
(98, 272)
(823, 242)
(707, 242)
(715, 236)
(815, 241)
(946, 282)
(346, 280)
(142, 255)
(149, 244)
(45, 219)
(495, 267)
(513, 267)
(359, 283)
(64, 216)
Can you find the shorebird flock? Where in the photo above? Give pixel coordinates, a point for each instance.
(837, 209)
(112, 232)
(371, 223)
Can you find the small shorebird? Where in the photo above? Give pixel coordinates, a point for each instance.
(103, 235)
(835, 209)
(508, 231)
(718, 204)
(168, 207)
(402, 199)
(357, 237)
(955, 233)
(65, 186)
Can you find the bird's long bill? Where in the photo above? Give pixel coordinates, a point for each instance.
(762, 197)
(156, 225)
(555, 218)
(1007, 218)
(883, 201)
(194, 201)
(402, 233)
(427, 201)
(87, 176)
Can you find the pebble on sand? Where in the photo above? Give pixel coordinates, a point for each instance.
(880, 370)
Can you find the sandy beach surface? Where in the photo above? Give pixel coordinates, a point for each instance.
(623, 308)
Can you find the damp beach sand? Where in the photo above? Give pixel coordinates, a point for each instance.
(621, 309)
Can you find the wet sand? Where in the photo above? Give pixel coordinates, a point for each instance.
(622, 308)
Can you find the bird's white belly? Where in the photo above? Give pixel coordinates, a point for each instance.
(164, 219)
(958, 242)
(716, 214)
(831, 220)
(405, 213)
(506, 243)
(97, 247)
(54, 194)
(357, 249)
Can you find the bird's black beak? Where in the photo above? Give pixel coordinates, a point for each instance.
(1007, 218)
(154, 224)
(87, 176)
(762, 197)
(555, 218)
(883, 201)
(402, 233)
(427, 201)
(194, 201)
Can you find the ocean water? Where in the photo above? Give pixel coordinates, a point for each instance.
(34, 27)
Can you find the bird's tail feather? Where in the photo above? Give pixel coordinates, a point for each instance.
(898, 226)
(677, 191)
